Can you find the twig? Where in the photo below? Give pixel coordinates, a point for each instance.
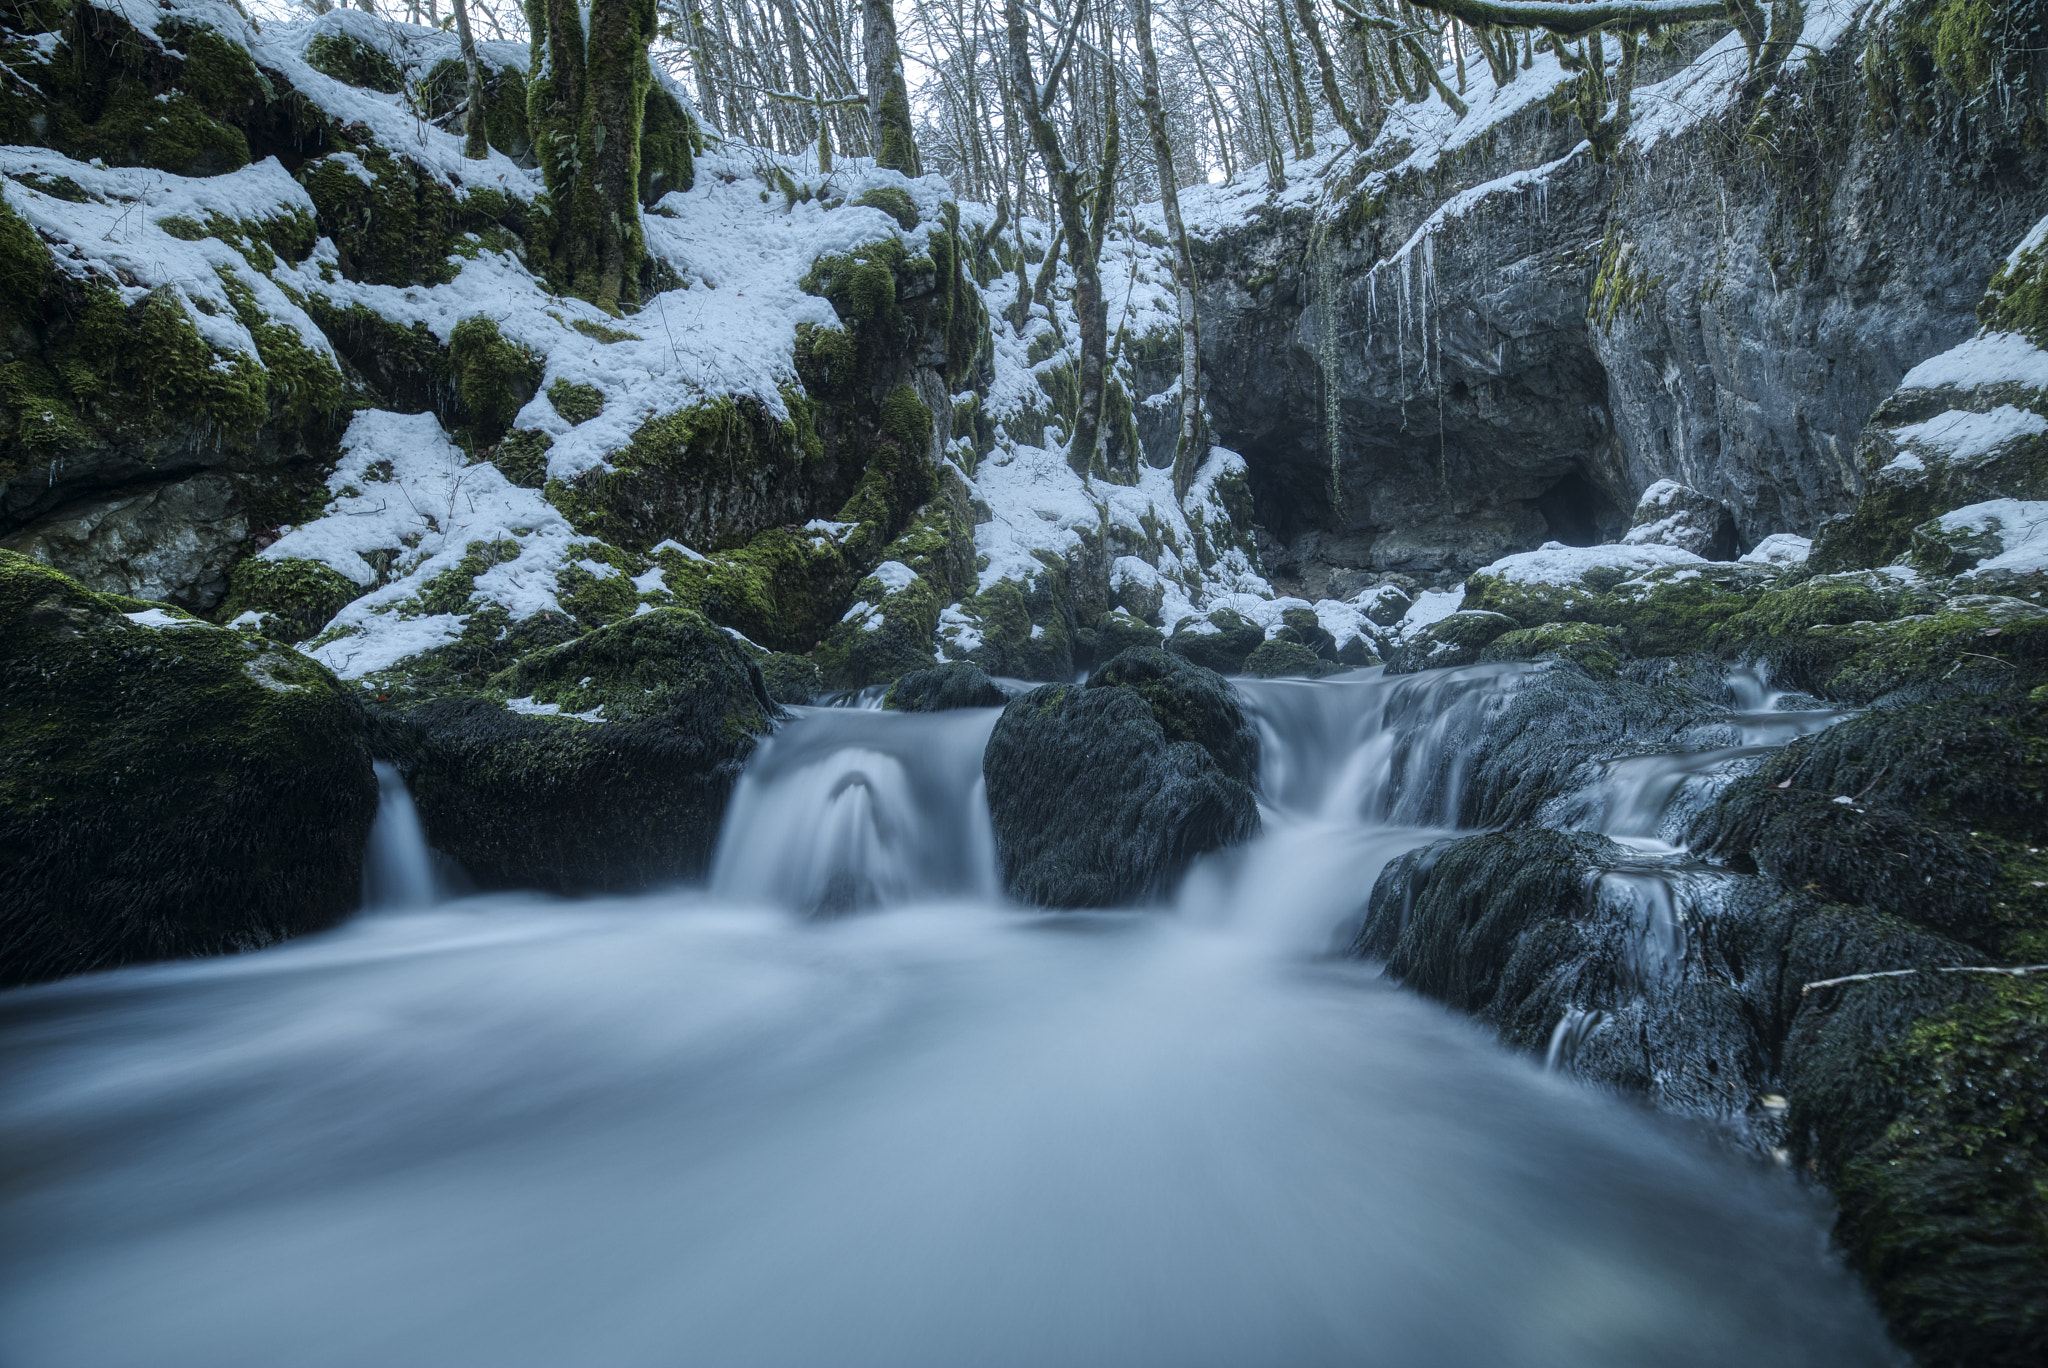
(2014, 971)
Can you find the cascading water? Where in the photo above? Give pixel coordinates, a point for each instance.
(711, 1127)
(398, 868)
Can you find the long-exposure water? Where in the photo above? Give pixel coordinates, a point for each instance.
(845, 1106)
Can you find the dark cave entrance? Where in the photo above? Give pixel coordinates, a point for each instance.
(1578, 513)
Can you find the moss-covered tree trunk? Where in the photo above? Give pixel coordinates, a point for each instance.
(888, 92)
(474, 143)
(585, 102)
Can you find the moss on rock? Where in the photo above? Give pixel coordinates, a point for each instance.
(556, 802)
(293, 599)
(493, 376)
(352, 61)
(940, 688)
(1102, 793)
(169, 788)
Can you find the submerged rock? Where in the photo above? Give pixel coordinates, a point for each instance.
(602, 764)
(955, 685)
(167, 788)
(1101, 793)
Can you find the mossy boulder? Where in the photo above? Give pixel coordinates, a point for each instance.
(621, 787)
(1102, 793)
(168, 788)
(1276, 658)
(293, 599)
(1114, 633)
(352, 61)
(1597, 650)
(944, 687)
(1222, 641)
(1459, 639)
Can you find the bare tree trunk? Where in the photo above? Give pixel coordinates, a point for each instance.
(1066, 193)
(1305, 124)
(1191, 448)
(1361, 137)
(474, 145)
(1187, 34)
(888, 92)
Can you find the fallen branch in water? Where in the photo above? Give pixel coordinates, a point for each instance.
(2013, 971)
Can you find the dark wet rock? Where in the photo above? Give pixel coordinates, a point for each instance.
(1658, 980)
(170, 543)
(1672, 514)
(791, 679)
(622, 788)
(954, 685)
(167, 788)
(1114, 633)
(1277, 658)
(1101, 793)
(1221, 642)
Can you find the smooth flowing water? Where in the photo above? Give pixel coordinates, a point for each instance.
(718, 1127)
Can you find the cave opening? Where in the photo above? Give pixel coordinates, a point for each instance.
(1578, 513)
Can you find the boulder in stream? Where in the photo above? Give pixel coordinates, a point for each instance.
(1101, 793)
(167, 788)
(956, 684)
(602, 764)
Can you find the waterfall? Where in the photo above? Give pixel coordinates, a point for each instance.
(399, 867)
(846, 809)
(722, 1125)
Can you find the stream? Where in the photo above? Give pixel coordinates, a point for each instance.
(845, 1105)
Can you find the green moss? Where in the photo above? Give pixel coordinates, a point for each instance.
(576, 403)
(167, 791)
(669, 141)
(494, 377)
(1594, 649)
(780, 589)
(906, 421)
(353, 62)
(523, 457)
(827, 361)
(1620, 288)
(897, 204)
(301, 382)
(1948, 1208)
(1276, 658)
(2017, 298)
(401, 226)
(666, 481)
(452, 590)
(1459, 639)
(293, 598)
(600, 333)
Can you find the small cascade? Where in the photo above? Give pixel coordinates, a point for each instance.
(1569, 1037)
(851, 808)
(1388, 749)
(399, 868)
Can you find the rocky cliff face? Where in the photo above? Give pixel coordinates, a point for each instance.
(1484, 339)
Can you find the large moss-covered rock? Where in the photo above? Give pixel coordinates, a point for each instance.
(167, 788)
(1102, 793)
(1222, 641)
(955, 684)
(616, 773)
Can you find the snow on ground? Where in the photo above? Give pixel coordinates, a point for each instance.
(1559, 565)
(2020, 526)
(1780, 548)
(1963, 436)
(402, 484)
(1991, 358)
